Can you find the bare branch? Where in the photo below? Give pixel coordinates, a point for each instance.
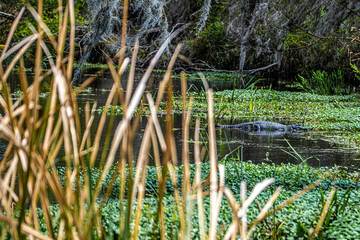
(7, 15)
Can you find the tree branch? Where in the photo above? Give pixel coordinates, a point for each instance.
(251, 71)
(7, 15)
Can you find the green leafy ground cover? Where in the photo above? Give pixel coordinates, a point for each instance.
(291, 177)
(334, 118)
(292, 222)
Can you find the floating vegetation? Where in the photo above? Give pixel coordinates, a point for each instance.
(335, 118)
(332, 115)
(292, 178)
(113, 198)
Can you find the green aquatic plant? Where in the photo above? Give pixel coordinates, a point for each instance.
(356, 71)
(322, 83)
(300, 159)
(292, 178)
(332, 117)
(99, 192)
(38, 131)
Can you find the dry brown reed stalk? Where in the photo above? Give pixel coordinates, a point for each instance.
(29, 181)
(127, 145)
(263, 211)
(71, 40)
(131, 108)
(123, 32)
(186, 188)
(187, 203)
(197, 181)
(130, 82)
(140, 165)
(314, 232)
(13, 129)
(290, 200)
(127, 117)
(37, 132)
(139, 180)
(213, 167)
(186, 115)
(11, 34)
(118, 95)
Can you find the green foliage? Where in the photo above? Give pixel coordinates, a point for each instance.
(291, 177)
(333, 117)
(323, 83)
(338, 206)
(296, 40)
(244, 81)
(214, 47)
(292, 222)
(345, 227)
(307, 52)
(213, 76)
(306, 211)
(82, 189)
(318, 111)
(50, 17)
(356, 71)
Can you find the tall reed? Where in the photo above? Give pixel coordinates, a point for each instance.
(37, 132)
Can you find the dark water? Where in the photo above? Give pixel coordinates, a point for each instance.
(285, 148)
(106, 82)
(231, 142)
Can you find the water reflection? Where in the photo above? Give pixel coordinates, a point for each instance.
(252, 146)
(283, 148)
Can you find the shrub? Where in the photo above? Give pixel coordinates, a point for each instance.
(322, 83)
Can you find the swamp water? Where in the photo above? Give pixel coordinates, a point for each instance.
(243, 146)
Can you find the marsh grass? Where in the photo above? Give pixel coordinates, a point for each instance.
(322, 83)
(38, 131)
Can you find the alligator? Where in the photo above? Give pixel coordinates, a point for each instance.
(266, 125)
